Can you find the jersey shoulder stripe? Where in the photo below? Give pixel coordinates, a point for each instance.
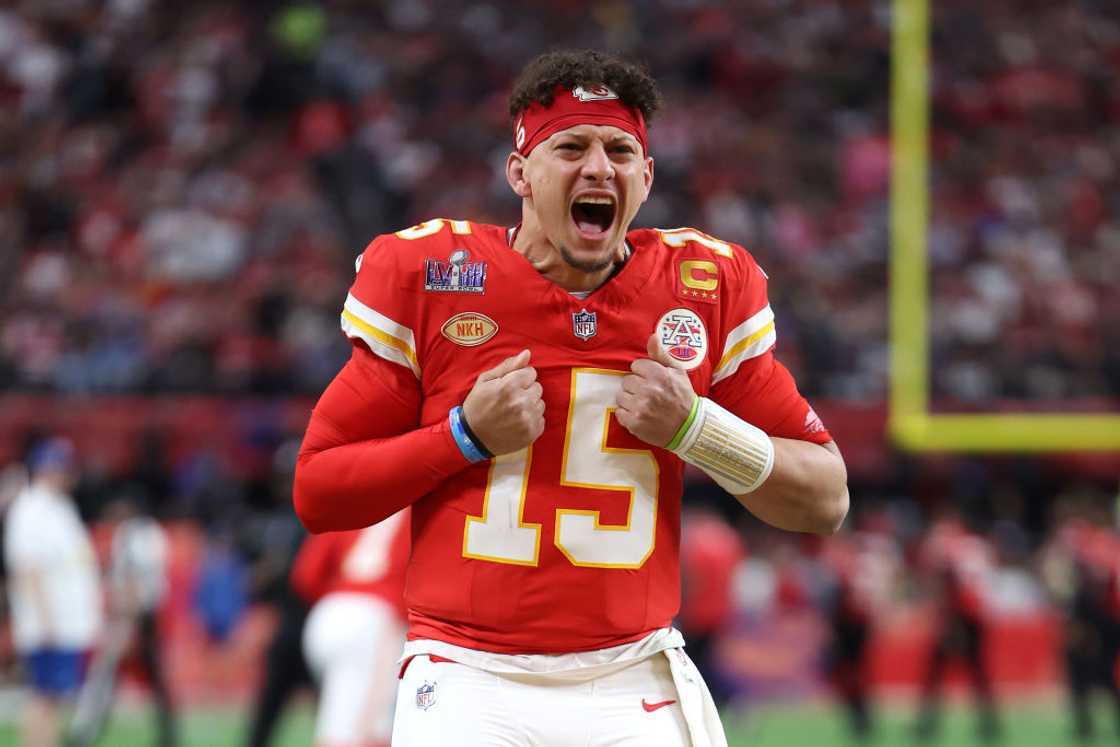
(376, 311)
(748, 340)
(385, 337)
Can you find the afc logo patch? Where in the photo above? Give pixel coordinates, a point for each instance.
(683, 337)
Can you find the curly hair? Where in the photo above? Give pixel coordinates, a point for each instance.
(584, 67)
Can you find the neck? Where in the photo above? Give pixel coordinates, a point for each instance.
(547, 259)
(52, 482)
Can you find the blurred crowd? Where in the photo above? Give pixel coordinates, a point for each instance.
(998, 564)
(184, 186)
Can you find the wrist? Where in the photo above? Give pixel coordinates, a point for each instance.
(675, 441)
(734, 453)
(469, 444)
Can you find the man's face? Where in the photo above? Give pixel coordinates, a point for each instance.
(585, 185)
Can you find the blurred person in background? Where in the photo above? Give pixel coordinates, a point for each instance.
(861, 571)
(54, 588)
(355, 583)
(221, 591)
(137, 581)
(711, 551)
(1079, 567)
(275, 538)
(527, 571)
(958, 565)
(13, 481)
(220, 599)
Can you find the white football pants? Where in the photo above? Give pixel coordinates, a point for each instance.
(440, 704)
(352, 643)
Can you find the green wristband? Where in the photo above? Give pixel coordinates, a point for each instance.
(679, 436)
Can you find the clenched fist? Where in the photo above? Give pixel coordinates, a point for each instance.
(656, 396)
(504, 408)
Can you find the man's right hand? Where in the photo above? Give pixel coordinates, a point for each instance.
(504, 409)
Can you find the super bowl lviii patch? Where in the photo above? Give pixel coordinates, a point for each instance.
(683, 337)
(469, 328)
(457, 275)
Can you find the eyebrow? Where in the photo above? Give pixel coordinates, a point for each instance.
(622, 139)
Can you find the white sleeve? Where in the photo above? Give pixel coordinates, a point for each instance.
(24, 545)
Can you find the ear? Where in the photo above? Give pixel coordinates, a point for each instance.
(515, 175)
(647, 177)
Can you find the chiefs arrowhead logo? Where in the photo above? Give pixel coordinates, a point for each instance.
(594, 93)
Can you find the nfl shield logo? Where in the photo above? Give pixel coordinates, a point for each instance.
(583, 324)
(426, 695)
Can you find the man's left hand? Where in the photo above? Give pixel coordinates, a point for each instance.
(656, 396)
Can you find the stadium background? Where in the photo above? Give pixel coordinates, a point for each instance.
(184, 187)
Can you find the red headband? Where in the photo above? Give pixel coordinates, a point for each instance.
(581, 105)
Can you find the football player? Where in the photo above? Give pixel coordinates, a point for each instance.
(961, 565)
(534, 392)
(354, 583)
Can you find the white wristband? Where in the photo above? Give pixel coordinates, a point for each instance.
(734, 453)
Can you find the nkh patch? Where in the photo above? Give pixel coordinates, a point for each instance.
(457, 275)
(426, 695)
(469, 328)
(584, 325)
(683, 337)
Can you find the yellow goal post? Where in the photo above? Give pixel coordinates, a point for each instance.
(910, 422)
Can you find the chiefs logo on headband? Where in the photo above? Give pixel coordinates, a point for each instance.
(594, 93)
(590, 104)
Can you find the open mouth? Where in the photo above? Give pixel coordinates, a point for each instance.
(593, 215)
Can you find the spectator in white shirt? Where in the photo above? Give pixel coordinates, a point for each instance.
(137, 581)
(54, 588)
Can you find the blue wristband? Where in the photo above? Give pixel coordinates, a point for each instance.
(466, 445)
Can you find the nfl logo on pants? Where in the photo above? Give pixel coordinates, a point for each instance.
(583, 324)
(426, 695)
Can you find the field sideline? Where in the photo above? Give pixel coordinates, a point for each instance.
(1026, 725)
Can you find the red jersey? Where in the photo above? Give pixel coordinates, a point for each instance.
(572, 543)
(711, 551)
(1097, 550)
(965, 563)
(864, 566)
(362, 561)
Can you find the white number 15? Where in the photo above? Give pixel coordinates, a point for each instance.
(500, 535)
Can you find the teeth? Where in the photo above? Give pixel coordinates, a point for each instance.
(595, 201)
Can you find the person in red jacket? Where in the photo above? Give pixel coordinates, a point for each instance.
(534, 392)
(861, 571)
(960, 564)
(354, 582)
(1080, 565)
(711, 551)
